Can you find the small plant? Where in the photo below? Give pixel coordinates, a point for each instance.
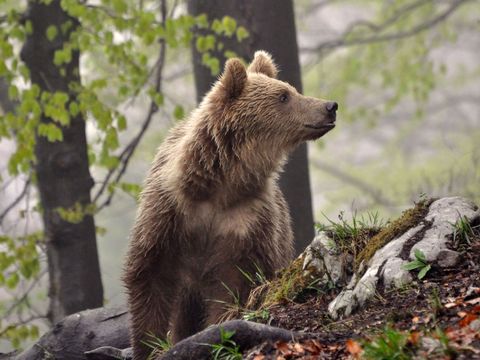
(391, 344)
(256, 279)
(352, 235)
(462, 232)
(227, 349)
(261, 315)
(435, 302)
(420, 263)
(157, 345)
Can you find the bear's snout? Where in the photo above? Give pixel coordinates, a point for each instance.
(331, 107)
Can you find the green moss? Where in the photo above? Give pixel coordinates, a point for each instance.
(361, 244)
(409, 218)
(285, 287)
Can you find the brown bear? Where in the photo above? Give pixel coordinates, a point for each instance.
(211, 205)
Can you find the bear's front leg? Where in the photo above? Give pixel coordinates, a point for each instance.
(151, 287)
(225, 287)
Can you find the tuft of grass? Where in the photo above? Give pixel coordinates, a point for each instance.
(158, 346)
(351, 235)
(227, 348)
(420, 263)
(261, 315)
(256, 279)
(391, 344)
(234, 308)
(409, 218)
(463, 233)
(435, 302)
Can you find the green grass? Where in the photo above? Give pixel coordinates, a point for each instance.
(157, 345)
(390, 345)
(352, 235)
(226, 349)
(463, 232)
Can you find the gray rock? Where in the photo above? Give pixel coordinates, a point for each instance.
(388, 266)
(356, 294)
(444, 213)
(323, 259)
(475, 325)
(430, 345)
(394, 273)
(448, 258)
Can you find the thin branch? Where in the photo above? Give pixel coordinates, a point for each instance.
(16, 201)
(344, 42)
(375, 194)
(127, 153)
(18, 301)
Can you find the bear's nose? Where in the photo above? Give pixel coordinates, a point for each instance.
(331, 106)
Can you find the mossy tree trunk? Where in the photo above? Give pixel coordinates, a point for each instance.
(271, 25)
(62, 172)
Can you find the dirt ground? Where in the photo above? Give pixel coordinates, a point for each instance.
(434, 318)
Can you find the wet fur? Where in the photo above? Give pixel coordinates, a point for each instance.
(211, 205)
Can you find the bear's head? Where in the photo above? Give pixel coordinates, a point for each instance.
(252, 104)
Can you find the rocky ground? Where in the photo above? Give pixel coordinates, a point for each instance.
(437, 317)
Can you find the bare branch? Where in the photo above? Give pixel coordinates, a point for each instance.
(375, 194)
(22, 298)
(343, 41)
(127, 153)
(16, 201)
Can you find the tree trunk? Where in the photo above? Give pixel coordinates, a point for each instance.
(63, 174)
(271, 25)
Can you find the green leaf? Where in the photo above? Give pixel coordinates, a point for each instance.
(242, 33)
(419, 255)
(12, 92)
(12, 281)
(229, 25)
(73, 108)
(51, 32)
(202, 21)
(413, 265)
(121, 123)
(51, 131)
(178, 112)
(424, 271)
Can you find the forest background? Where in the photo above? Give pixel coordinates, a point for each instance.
(405, 73)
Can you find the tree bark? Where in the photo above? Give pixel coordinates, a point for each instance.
(62, 173)
(79, 333)
(246, 335)
(271, 24)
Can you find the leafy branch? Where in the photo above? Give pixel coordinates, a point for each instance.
(127, 153)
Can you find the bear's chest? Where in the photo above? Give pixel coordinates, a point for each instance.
(211, 222)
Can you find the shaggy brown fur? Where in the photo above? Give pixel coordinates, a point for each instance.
(211, 204)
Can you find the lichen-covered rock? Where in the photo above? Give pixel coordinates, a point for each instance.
(386, 267)
(324, 260)
(444, 214)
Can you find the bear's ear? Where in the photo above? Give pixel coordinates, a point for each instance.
(263, 63)
(234, 78)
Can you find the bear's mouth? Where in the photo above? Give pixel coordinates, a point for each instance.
(328, 123)
(320, 126)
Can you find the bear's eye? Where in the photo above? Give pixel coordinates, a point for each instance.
(284, 97)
